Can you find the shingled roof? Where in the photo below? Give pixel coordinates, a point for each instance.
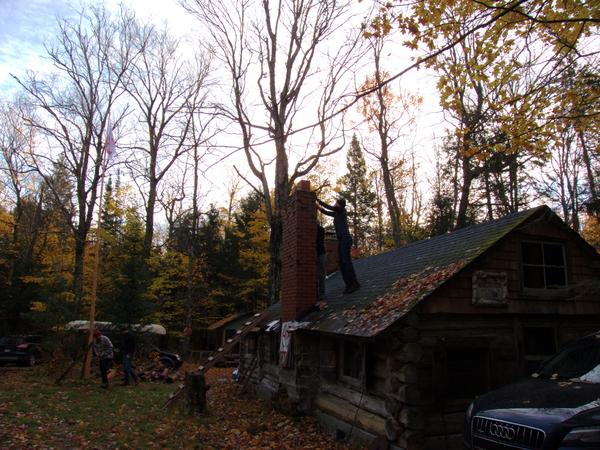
(395, 281)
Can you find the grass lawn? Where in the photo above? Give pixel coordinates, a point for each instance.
(34, 413)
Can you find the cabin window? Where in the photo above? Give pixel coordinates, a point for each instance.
(352, 362)
(539, 343)
(328, 361)
(251, 344)
(543, 265)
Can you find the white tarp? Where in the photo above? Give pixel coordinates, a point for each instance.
(81, 325)
(593, 376)
(286, 339)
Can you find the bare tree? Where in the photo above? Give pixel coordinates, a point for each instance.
(91, 58)
(16, 142)
(169, 91)
(560, 182)
(277, 45)
(25, 198)
(233, 190)
(387, 115)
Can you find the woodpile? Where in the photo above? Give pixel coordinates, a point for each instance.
(154, 370)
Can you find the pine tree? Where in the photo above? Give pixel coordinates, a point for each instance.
(360, 197)
(126, 300)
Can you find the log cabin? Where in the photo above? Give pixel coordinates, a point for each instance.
(436, 323)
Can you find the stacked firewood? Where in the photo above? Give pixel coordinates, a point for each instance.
(153, 370)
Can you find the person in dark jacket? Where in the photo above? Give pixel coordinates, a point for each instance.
(128, 352)
(340, 223)
(103, 349)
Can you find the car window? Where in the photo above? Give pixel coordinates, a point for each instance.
(573, 362)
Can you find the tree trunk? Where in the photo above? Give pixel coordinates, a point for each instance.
(393, 209)
(589, 171)
(80, 237)
(488, 196)
(150, 206)
(195, 393)
(463, 205)
(282, 191)
(380, 239)
(514, 184)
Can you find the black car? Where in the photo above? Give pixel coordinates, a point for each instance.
(557, 408)
(22, 350)
(168, 359)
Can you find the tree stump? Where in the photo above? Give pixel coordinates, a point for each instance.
(195, 393)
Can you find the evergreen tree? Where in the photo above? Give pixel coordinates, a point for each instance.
(126, 300)
(252, 233)
(112, 212)
(360, 197)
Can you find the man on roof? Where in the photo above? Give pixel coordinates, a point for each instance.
(340, 223)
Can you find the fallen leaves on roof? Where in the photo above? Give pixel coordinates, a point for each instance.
(400, 299)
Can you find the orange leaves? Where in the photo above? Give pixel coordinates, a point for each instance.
(405, 293)
(411, 288)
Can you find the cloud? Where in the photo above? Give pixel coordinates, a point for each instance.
(27, 25)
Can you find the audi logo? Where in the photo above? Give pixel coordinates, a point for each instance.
(500, 431)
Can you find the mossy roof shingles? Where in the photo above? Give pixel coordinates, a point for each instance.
(395, 281)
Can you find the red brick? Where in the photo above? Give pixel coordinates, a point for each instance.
(299, 269)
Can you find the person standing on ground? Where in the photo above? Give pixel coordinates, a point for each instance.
(103, 349)
(128, 352)
(340, 223)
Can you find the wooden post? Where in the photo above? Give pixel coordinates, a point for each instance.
(87, 362)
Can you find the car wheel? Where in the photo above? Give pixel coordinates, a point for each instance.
(167, 362)
(31, 361)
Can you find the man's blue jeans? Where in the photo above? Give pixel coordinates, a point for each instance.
(105, 365)
(128, 369)
(346, 267)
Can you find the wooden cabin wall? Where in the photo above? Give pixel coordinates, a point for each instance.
(403, 393)
(456, 296)
(461, 356)
(385, 401)
(351, 408)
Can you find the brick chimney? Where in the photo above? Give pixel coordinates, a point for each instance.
(299, 253)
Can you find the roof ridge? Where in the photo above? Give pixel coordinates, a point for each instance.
(525, 213)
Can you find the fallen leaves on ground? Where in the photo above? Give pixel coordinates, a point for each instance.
(34, 413)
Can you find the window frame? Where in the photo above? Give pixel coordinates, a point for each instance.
(523, 265)
(358, 382)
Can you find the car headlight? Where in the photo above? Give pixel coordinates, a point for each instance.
(583, 437)
(178, 358)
